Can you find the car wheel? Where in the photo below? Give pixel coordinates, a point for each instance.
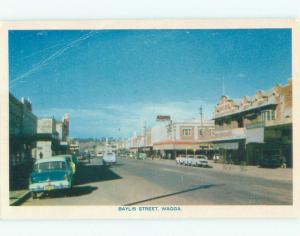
(33, 195)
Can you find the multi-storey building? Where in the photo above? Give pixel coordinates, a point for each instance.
(252, 128)
(48, 142)
(22, 130)
(185, 138)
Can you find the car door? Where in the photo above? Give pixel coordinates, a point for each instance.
(69, 172)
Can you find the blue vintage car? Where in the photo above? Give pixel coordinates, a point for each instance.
(54, 173)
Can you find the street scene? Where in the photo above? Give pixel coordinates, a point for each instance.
(150, 117)
(162, 182)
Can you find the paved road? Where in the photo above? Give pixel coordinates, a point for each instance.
(147, 182)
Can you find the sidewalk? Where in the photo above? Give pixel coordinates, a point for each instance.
(18, 196)
(285, 174)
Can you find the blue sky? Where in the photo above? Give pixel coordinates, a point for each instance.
(111, 81)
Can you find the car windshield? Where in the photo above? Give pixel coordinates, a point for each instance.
(51, 165)
(109, 154)
(201, 157)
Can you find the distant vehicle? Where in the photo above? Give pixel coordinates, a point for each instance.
(109, 158)
(86, 155)
(217, 157)
(131, 155)
(80, 156)
(123, 155)
(49, 174)
(180, 159)
(141, 156)
(100, 154)
(92, 153)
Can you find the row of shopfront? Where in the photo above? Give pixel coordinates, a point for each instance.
(242, 131)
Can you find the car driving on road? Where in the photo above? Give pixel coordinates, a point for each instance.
(49, 174)
(109, 158)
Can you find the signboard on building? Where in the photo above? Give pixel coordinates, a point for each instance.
(227, 146)
(45, 126)
(255, 135)
(163, 118)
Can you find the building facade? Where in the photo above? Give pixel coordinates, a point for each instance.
(48, 143)
(168, 139)
(22, 131)
(181, 138)
(252, 128)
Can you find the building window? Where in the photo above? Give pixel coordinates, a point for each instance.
(272, 115)
(268, 115)
(186, 132)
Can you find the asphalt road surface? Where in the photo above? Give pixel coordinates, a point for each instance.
(150, 182)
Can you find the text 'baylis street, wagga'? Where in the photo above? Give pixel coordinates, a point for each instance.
(148, 209)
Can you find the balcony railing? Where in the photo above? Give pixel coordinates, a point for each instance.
(266, 123)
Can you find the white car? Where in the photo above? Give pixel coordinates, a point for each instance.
(217, 157)
(200, 160)
(180, 159)
(202, 156)
(188, 160)
(109, 158)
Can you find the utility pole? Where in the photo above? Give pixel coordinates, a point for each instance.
(201, 116)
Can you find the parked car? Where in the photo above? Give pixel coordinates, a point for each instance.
(217, 158)
(92, 153)
(109, 158)
(123, 155)
(49, 174)
(131, 155)
(202, 156)
(200, 161)
(180, 159)
(188, 160)
(272, 159)
(272, 162)
(86, 156)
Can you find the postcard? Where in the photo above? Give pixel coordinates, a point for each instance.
(150, 118)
